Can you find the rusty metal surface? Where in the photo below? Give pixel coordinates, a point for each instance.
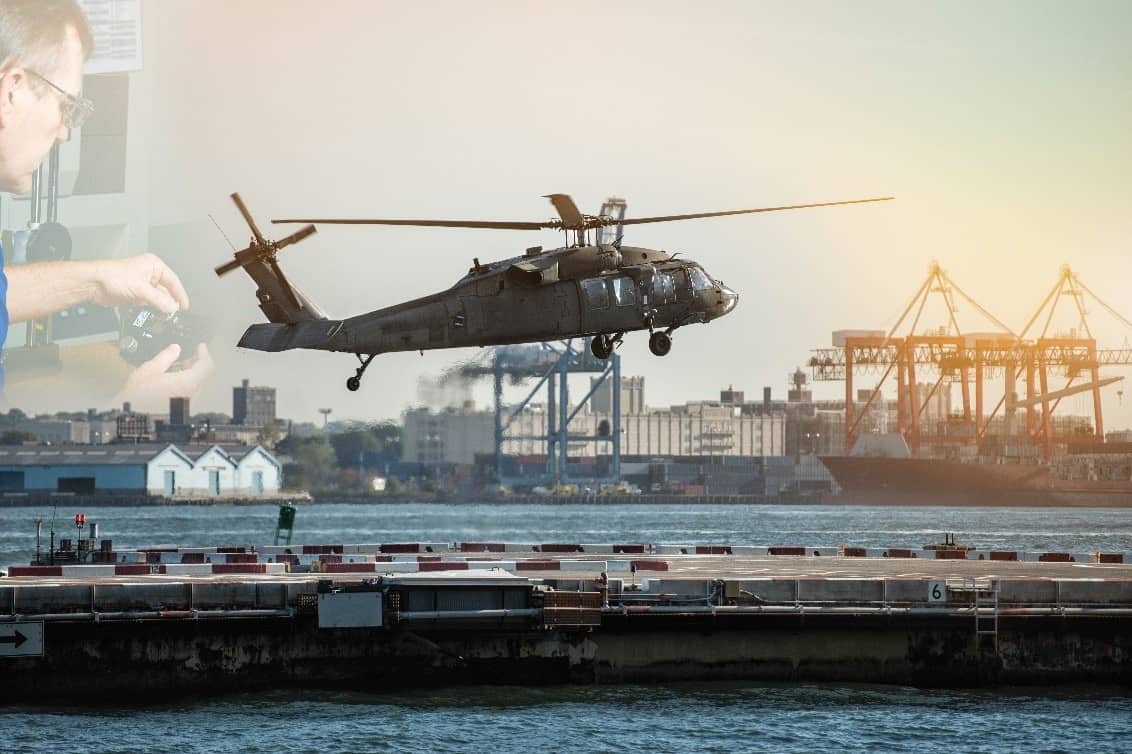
(700, 566)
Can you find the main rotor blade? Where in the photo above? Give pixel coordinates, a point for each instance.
(669, 218)
(302, 233)
(567, 210)
(248, 218)
(427, 223)
(562, 204)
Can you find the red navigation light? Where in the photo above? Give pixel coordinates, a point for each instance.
(80, 520)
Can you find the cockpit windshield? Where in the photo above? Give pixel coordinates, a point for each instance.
(700, 280)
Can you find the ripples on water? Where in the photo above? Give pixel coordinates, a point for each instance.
(713, 718)
(1041, 529)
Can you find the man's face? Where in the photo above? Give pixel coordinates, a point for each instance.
(31, 114)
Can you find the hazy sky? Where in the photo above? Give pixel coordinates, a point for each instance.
(1002, 128)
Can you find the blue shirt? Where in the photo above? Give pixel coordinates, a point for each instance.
(3, 317)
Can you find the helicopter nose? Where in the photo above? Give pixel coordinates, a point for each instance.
(727, 300)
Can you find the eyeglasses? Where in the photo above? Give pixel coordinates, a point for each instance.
(76, 109)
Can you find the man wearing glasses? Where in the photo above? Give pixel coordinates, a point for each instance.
(43, 45)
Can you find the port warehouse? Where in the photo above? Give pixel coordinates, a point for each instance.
(149, 469)
(202, 471)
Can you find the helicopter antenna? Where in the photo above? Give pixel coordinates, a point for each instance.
(222, 233)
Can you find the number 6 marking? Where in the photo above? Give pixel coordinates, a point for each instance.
(937, 591)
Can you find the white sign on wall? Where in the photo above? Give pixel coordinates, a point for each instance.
(937, 591)
(21, 639)
(117, 29)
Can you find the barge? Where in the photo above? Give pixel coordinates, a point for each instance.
(153, 624)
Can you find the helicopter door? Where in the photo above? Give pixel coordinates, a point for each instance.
(662, 295)
(663, 289)
(683, 287)
(599, 314)
(613, 209)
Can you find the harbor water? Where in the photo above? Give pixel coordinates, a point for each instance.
(702, 717)
(711, 718)
(1032, 529)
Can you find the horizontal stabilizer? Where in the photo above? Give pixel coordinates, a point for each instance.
(278, 336)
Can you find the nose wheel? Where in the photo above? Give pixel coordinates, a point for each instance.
(602, 346)
(660, 343)
(355, 382)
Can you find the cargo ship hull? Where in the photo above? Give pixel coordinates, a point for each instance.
(920, 481)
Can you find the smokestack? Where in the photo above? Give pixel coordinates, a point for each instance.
(766, 399)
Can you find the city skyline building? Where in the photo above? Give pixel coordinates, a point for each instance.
(253, 406)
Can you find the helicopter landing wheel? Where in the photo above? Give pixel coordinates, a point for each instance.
(602, 346)
(355, 382)
(660, 343)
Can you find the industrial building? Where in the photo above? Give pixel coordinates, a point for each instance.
(632, 395)
(728, 446)
(179, 413)
(92, 429)
(703, 429)
(167, 470)
(253, 406)
(450, 436)
(694, 429)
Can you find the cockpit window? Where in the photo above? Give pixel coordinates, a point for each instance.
(597, 295)
(663, 289)
(700, 280)
(624, 291)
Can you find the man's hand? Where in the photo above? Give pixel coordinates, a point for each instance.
(42, 288)
(152, 384)
(143, 279)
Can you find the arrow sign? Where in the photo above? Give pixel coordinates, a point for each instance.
(17, 639)
(21, 639)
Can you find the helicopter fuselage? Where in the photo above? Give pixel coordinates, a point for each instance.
(525, 299)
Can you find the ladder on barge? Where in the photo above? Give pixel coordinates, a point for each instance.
(985, 608)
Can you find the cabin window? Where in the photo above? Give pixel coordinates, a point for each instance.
(597, 295)
(700, 281)
(663, 289)
(624, 291)
(680, 278)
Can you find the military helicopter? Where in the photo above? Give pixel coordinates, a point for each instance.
(602, 290)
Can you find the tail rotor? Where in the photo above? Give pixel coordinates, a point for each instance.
(264, 252)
